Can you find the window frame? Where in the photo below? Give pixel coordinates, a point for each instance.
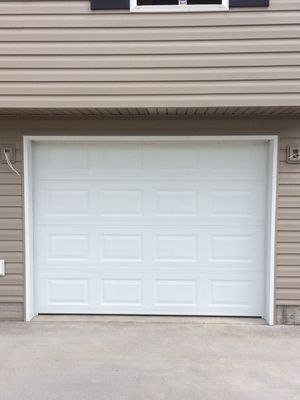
(179, 8)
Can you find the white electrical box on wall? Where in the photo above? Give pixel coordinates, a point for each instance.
(293, 154)
(2, 267)
(10, 150)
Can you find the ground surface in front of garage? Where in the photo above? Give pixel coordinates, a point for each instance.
(155, 358)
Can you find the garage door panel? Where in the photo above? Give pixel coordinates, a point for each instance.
(199, 248)
(65, 293)
(68, 247)
(167, 159)
(60, 160)
(62, 202)
(238, 200)
(64, 247)
(68, 291)
(117, 247)
(170, 293)
(225, 293)
(143, 227)
(146, 160)
(206, 294)
(151, 203)
(121, 157)
(122, 292)
(173, 202)
(241, 248)
(206, 161)
(174, 248)
(56, 202)
(120, 202)
(234, 294)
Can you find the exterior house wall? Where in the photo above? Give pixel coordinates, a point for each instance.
(288, 222)
(59, 53)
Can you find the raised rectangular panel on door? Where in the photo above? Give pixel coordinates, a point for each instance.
(158, 227)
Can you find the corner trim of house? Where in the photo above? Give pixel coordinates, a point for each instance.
(28, 230)
(271, 214)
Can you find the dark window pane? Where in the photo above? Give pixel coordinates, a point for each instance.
(157, 2)
(176, 2)
(204, 2)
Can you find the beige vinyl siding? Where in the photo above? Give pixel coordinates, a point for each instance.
(11, 311)
(60, 54)
(288, 246)
(11, 238)
(11, 203)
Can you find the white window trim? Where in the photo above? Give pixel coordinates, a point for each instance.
(179, 8)
(269, 314)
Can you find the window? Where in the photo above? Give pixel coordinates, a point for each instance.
(178, 5)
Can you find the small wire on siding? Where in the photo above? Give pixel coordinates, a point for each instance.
(295, 156)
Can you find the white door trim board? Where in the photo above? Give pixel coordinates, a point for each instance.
(28, 231)
(271, 199)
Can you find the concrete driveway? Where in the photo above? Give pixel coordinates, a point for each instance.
(148, 359)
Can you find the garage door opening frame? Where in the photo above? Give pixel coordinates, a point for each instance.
(272, 140)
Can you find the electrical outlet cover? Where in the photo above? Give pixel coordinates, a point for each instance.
(2, 267)
(10, 149)
(293, 154)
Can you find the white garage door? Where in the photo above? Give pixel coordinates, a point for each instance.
(149, 227)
